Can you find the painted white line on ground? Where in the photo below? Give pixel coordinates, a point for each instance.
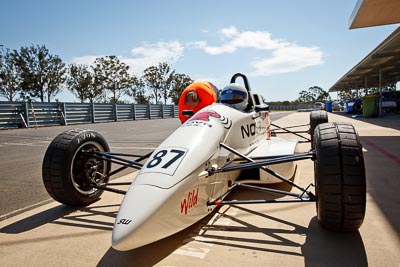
(199, 253)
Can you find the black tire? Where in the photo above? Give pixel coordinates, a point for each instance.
(67, 172)
(358, 107)
(340, 180)
(316, 117)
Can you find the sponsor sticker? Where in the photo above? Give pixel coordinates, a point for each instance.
(165, 160)
(189, 201)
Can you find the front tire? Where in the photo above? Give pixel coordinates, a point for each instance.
(316, 117)
(339, 177)
(69, 172)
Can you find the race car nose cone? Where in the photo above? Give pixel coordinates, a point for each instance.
(140, 218)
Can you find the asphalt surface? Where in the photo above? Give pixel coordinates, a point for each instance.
(237, 235)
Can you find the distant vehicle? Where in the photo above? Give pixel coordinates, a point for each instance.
(319, 106)
(338, 106)
(354, 106)
(391, 101)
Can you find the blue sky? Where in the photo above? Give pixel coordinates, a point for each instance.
(282, 46)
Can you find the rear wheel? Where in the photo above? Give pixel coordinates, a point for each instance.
(69, 170)
(339, 177)
(316, 117)
(358, 107)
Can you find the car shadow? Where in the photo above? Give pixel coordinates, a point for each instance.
(277, 239)
(326, 248)
(66, 215)
(321, 247)
(37, 220)
(382, 162)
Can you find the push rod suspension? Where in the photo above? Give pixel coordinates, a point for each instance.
(125, 166)
(291, 132)
(116, 159)
(257, 201)
(257, 164)
(280, 192)
(298, 197)
(105, 188)
(262, 167)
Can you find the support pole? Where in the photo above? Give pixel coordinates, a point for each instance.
(380, 93)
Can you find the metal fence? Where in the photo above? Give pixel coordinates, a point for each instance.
(35, 114)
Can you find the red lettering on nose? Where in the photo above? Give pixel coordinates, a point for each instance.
(184, 206)
(190, 201)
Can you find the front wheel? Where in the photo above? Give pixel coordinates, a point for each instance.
(316, 117)
(70, 168)
(340, 179)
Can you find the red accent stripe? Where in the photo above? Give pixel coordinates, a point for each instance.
(383, 151)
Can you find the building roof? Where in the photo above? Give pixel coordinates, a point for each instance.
(369, 13)
(384, 60)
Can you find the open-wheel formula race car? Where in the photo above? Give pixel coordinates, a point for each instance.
(192, 171)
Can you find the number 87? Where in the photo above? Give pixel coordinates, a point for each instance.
(159, 157)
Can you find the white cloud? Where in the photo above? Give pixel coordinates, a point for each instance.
(232, 40)
(144, 56)
(85, 60)
(283, 56)
(152, 54)
(287, 59)
(275, 55)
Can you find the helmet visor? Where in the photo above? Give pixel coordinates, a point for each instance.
(232, 96)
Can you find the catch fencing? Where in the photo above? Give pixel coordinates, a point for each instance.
(35, 114)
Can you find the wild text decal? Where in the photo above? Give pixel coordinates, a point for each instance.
(190, 201)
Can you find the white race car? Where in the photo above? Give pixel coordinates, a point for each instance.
(218, 149)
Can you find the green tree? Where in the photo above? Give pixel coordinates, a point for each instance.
(159, 79)
(42, 73)
(319, 94)
(314, 93)
(348, 95)
(112, 76)
(10, 76)
(179, 83)
(138, 91)
(305, 96)
(81, 83)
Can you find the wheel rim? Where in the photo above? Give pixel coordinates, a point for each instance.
(85, 169)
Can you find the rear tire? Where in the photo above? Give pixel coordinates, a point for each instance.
(358, 107)
(340, 179)
(316, 117)
(68, 173)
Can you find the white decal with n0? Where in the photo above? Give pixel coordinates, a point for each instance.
(165, 160)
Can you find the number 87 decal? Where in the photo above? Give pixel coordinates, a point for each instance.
(165, 160)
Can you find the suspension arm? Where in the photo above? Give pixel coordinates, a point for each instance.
(253, 164)
(291, 132)
(258, 164)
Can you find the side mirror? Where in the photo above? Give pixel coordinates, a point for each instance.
(261, 108)
(187, 113)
